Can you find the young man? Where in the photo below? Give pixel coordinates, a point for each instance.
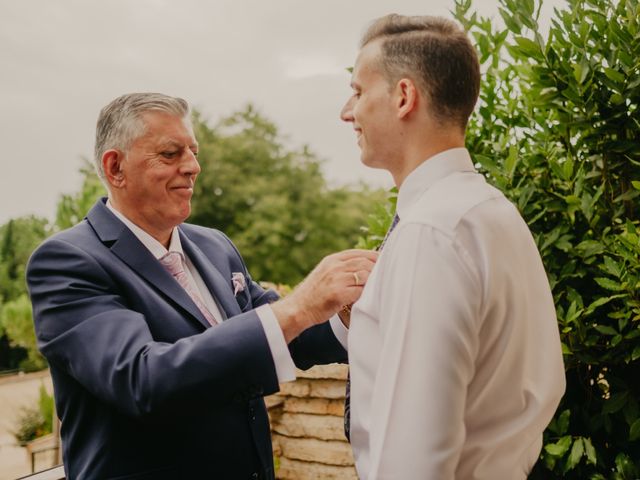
(455, 358)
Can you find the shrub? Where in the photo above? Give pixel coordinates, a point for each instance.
(35, 421)
(557, 130)
(17, 321)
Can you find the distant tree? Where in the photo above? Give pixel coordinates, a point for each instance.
(72, 208)
(17, 322)
(18, 238)
(273, 201)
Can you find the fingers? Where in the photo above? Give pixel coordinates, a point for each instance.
(358, 264)
(336, 281)
(355, 253)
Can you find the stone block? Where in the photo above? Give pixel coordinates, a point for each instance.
(317, 406)
(329, 452)
(296, 470)
(323, 427)
(333, 371)
(331, 389)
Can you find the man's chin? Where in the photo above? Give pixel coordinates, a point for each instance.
(372, 163)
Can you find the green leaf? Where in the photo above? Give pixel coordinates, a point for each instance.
(511, 161)
(563, 422)
(612, 267)
(590, 451)
(601, 301)
(528, 47)
(559, 448)
(605, 330)
(636, 353)
(635, 183)
(624, 465)
(616, 99)
(615, 403)
(614, 75)
(608, 284)
(634, 431)
(577, 451)
(590, 248)
(567, 169)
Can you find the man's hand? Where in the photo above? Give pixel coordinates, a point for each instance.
(336, 281)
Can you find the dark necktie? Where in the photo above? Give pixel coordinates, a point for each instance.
(347, 395)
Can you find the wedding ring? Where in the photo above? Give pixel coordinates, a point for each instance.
(356, 278)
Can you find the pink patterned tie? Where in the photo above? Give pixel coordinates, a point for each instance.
(172, 261)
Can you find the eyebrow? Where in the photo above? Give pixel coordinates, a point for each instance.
(175, 144)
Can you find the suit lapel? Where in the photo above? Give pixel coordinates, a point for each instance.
(217, 284)
(126, 246)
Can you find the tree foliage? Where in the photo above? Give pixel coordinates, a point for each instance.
(72, 208)
(17, 322)
(273, 202)
(557, 130)
(18, 238)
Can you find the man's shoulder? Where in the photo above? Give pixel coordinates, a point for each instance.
(78, 235)
(205, 235)
(192, 229)
(448, 202)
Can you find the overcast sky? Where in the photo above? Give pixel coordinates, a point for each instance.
(63, 60)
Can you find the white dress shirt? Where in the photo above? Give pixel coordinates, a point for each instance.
(285, 368)
(454, 349)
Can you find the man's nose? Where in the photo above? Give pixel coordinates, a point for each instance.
(346, 114)
(190, 164)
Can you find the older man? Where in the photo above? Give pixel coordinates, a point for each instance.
(455, 355)
(160, 345)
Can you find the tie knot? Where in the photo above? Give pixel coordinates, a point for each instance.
(172, 261)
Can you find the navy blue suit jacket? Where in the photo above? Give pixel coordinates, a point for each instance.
(143, 386)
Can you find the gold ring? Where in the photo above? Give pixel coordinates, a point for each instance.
(356, 278)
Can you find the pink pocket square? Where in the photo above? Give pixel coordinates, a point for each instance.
(239, 282)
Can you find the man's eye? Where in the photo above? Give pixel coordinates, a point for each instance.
(169, 155)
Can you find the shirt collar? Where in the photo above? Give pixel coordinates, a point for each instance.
(154, 246)
(429, 172)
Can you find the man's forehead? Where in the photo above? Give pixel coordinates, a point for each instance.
(366, 62)
(161, 128)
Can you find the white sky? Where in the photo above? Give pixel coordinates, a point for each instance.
(63, 60)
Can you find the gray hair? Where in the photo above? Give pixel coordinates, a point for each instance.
(120, 122)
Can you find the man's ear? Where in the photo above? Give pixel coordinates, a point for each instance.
(112, 165)
(407, 97)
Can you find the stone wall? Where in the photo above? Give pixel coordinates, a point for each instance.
(307, 426)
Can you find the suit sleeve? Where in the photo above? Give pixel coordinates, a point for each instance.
(317, 345)
(84, 327)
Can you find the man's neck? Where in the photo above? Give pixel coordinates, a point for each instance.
(164, 236)
(417, 154)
